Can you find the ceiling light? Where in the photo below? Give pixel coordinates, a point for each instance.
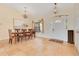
(25, 15)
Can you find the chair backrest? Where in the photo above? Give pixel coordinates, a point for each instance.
(24, 30)
(17, 30)
(29, 29)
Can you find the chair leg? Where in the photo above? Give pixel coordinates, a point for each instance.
(10, 41)
(34, 35)
(31, 36)
(15, 40)
(21, 39)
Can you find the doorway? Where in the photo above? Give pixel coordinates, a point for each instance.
(71, 36)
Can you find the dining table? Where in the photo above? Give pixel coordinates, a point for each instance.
(21, 34)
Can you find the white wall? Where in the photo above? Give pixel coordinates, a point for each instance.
(76, 10)
(58, 33)
(6, 17)
(59, 29)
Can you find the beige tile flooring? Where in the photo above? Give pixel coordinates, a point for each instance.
(37, 47)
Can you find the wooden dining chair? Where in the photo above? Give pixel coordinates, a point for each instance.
(12, 36)
(24, 33)
(33, 33)
(28, 35)
(20, 35)
(17, 34)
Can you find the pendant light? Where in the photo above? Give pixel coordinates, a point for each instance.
(25, 15)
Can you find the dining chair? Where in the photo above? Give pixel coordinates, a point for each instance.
(12, 36)
(20, 35)
(24, 33)
(17, 34)
(33, 33)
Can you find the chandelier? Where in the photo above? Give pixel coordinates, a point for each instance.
(25, 15)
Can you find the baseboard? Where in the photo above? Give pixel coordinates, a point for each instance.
(56, 40)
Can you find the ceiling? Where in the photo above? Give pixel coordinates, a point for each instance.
(38, 9)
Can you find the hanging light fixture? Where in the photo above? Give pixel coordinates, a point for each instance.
(55, 8)
(25, 15)
(58, 17)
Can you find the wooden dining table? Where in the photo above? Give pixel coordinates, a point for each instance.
(20, 34)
